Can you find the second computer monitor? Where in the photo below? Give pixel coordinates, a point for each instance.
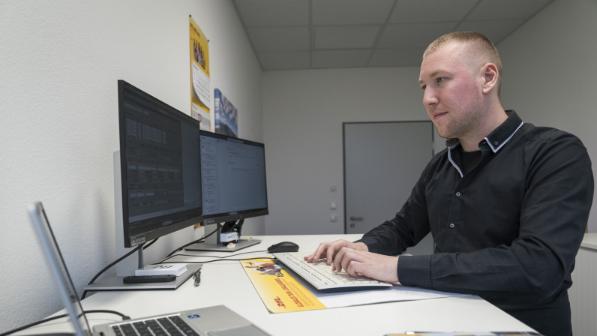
(233, 181)
(233, 178)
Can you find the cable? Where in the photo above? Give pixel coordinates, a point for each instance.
(194, 241)
(150, 243)
(124, 317)
(146, 245)
(113, 263)
(215, 260)
(210, 256)
(135, 250)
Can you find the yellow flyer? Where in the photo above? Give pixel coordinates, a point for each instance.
(200, 87)
(279, 291)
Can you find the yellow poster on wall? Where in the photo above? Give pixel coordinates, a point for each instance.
(279, 291)
(200, 88)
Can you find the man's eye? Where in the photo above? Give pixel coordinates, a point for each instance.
(439, 80)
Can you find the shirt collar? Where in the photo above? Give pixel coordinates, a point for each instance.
(500, 136)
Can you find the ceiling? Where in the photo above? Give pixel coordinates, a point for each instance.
(317, 34)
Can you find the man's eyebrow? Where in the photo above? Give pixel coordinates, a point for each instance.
(433, 74)
(421, 81)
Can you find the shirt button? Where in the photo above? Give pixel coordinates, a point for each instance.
(458, 194)
(496, 143)
(452, 225)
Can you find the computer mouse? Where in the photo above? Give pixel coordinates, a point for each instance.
(285, 246)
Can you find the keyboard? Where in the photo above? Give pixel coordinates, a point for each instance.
(321, 276)
(162, 326)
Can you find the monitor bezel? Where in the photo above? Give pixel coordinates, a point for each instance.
(181, 219)
(237, 215)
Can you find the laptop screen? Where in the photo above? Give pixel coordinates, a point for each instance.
(58, 269)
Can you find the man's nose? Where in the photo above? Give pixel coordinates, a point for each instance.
(429, 97)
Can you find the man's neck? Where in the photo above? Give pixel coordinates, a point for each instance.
(489, 122)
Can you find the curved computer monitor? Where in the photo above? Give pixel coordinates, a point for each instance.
(233, 181)
(160, 166)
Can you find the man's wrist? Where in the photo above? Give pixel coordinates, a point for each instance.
(397, 275)
(362, 246)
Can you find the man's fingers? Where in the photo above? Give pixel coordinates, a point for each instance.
(336, 262)
(353, 268)
(353, 256)
(332, 251)
(321, 249)
(328, 251)
(347, 258)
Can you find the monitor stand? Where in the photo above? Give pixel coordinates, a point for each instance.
(115, 282)
(216, 244)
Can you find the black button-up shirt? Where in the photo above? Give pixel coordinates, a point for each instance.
(508, 229)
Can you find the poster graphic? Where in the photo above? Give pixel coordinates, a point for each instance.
(200, 90)
(279, 291)
(226, 115)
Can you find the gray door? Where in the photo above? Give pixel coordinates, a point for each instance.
(382, 162)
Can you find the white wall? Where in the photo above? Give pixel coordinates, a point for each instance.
(550, 72)
(60, 61)
(303, 112)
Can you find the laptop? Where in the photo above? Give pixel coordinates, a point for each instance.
(208, 321)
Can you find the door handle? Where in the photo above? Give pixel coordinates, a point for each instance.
(356, 219)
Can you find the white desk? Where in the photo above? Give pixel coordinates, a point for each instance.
(226, 283)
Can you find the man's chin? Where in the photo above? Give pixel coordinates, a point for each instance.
(442, 133)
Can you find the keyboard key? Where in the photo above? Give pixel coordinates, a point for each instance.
(128, 330)
(169, 326)
(117, 331)
(182, 325)
(156, 328)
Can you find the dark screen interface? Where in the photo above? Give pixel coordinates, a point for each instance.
(163, 175)
(232, 176)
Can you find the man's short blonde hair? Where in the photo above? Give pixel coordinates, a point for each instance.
(484, 48)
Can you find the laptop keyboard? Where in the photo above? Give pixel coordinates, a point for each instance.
(162, 326)
(321, 276)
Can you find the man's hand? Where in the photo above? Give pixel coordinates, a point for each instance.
(356, 260)
(364, 263)
(328, 250)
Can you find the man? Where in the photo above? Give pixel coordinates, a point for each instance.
(506, 202)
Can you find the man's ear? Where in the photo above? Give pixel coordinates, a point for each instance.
(491, 76)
